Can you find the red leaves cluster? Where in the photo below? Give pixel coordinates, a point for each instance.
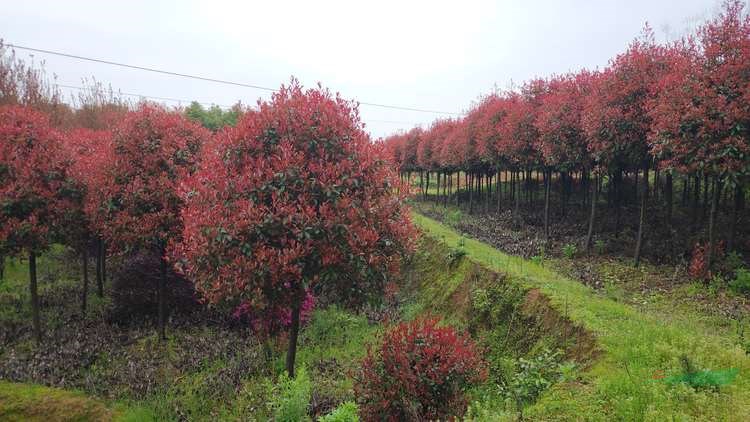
(138, 175)
(35, 191)
(295, 195)
(702, 114)
(420, 371)
(685, 105)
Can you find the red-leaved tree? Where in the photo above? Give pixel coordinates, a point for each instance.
(34, 189)
(295, 197)
(152, 151)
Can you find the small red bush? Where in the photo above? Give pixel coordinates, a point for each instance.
(419, 372)
(698, 262)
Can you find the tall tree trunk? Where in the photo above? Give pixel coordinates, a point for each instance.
(516, 210)
(669, 196)
(547, 177)
(706, 198)
(642, 217)
(592, 215)
(99, 278)
(104, 264)
(34, 298)
(162, 298)
(458, 188)
(471, 195)
(291, 352)
(488, 196)
(427, 187)
(85, 268)
(499, 190)
(685, 192)
(437, 187)
(718, 184)
(739, 205)
(618, 200)
(421, 183)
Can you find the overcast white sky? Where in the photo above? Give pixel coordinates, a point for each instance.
(425, 54)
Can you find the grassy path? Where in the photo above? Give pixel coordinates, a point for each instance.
(638, 345)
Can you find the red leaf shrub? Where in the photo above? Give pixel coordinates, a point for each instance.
(419, 372)
(698, 265)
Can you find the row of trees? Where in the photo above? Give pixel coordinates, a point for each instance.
(295, 197)
(681, 109)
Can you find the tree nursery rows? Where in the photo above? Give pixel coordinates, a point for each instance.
(661, 127)
(277, 263)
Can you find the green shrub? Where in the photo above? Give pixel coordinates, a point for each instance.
(455, 255)
(346, 412)
(569, 250)
(733, 262)
(291, 400)
(599, 246)
(538, 259)
(454, 217)
(532, 377)
(741, 282)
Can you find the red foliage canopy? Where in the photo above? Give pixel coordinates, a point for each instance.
(562, 141)
(34, 188)
(702, 114)
(615, 118)
(152, 150)
(294, 195)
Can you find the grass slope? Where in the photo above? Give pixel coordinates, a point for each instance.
(25, 402)
(638, 345)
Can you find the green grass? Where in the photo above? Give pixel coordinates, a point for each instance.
(25, 402)
(637, 343)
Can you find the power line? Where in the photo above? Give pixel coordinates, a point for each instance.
(182, 100)
(204, 78)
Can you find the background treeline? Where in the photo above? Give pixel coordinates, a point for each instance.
(662, 133)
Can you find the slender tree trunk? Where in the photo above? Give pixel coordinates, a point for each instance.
(592, 215)
(34, 298)
(718, 184)
(471, 195)
(547, 177)
(2, 267)
(162, 298)
(706, 198)
(739, 205)
(458, 188)
(99, 259)
(427, 187)
(669, 196)
(516, 213)
(421, 183)
(488, 196)
(437, 187)
(85, 268)
(641, 220)
(499, 190)
(104, 264)
(291, 352)
(618, 200)
(685, 186)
